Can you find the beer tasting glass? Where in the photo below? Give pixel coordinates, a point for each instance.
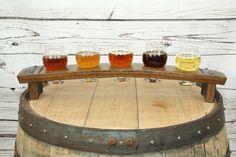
(154, 56)
(121, 56)
(188, 59)
(54, 57)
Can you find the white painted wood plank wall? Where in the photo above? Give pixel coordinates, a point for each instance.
(27, 25)
(132, 9)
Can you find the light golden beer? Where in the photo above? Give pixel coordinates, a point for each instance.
(188, 62)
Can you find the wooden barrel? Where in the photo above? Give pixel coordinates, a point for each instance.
(132, 118)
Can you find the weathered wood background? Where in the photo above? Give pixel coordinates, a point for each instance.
(27, 25)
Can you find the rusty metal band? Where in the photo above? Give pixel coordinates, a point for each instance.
(110, 141)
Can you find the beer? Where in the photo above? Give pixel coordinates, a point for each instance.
(156, 59)
(55, 62)
(188, 62)
(120, 58)
(87, 59)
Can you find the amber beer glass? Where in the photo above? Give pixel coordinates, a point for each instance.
(121, 56)
(54, 57)
(87, 55)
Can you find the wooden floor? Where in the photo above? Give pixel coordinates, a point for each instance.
(27, 26)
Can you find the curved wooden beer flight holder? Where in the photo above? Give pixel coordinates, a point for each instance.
(35, 76)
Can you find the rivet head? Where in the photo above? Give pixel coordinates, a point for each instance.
(208, 127)
(129, 142)
(152, 142)
(65, 137)
(44, 130)
(179, 138)
(120, 142)
(91, 140)
(199, 132)
(112, 141)
(218, 119)
(30, 124)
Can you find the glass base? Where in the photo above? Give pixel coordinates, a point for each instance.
(121, 79)
(152, 80)
(55, 82)
(89, 80)
(187, 83)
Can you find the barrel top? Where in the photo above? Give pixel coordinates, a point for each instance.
(39, 73)
(135, 104)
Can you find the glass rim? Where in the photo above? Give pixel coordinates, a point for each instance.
(87, 52)
(120, 51)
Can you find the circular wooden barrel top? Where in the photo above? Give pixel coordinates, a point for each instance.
(135, 104)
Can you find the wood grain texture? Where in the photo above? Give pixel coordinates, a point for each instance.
(159, 103)
(219, 145)
(7, 153)
(199, 150)
(175, 9)
(8, 111)
(6, 144)
(35, 89)
(210, 92)
(29, 37)
(140, 103)
(69, 99)
(133, 9)
(210, 148)
(113, 105)
(184, 152)
(8, 128)
(136, 70)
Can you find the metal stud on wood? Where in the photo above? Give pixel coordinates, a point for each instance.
(208, 127)
(152, 142)
(91, 140)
